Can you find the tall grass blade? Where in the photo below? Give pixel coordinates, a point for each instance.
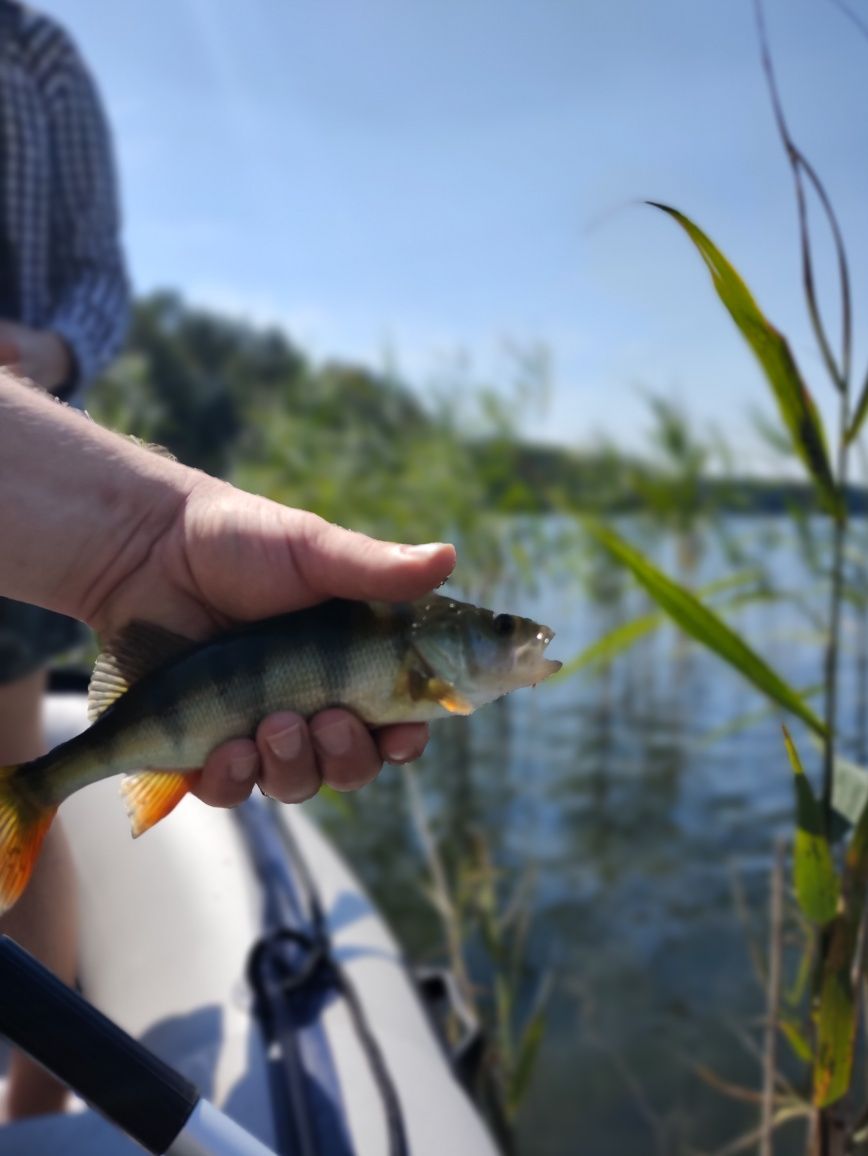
(751, 718)
(615, 642)
(859, 416)
(814, 876)
(837, 1011)
(701, 623)
(801, 167)
(627, 634)
(836, 1015)
(772, 350)
(797, 1040)
(528, 1047)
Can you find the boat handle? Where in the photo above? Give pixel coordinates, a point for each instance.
(119, 1077)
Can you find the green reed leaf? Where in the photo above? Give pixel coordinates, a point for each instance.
(622, 637)
(797, 1040)
(751, 718)
(836, 1015)
(528, 1048)
(797, 990)
(526, 1062)
(772, 351)
(859, 416)
(814, 876)
(337, 800)
(703, 624)
(615, 642)
(837, 1012)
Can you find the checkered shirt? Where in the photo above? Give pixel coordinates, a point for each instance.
(61, 266)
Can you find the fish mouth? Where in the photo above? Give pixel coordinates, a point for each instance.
(532, 658)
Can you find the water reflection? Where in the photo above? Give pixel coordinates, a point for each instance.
(632, 824)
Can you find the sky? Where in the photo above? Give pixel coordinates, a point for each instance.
(423, 181)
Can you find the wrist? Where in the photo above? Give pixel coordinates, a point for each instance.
(82, 508)
(131, 522)
(57, 360)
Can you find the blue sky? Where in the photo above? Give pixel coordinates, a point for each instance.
(415, 178)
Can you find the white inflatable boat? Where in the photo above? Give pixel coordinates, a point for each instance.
(239, 948)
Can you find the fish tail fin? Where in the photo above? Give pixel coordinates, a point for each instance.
(24, 823)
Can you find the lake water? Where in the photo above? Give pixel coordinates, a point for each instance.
(632, 824)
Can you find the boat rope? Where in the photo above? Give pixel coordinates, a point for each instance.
(293, 963)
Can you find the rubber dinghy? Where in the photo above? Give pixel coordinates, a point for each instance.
(241, 950)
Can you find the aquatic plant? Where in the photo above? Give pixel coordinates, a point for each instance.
(829, 864)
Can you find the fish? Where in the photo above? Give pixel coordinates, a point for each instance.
(159, 703)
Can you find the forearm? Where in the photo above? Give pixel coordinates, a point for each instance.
(80, 507)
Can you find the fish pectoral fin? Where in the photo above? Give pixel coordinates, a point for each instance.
(420, 685)
(444, 693)
(152, 795)
(418, 682)
(134, 652)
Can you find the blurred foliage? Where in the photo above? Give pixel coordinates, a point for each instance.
(362, 446)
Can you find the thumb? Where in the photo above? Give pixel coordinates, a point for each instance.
(333, 562)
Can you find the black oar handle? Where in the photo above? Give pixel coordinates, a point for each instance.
(146, 1098)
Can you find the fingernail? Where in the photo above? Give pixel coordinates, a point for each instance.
(286, 744)
(403, 755)
(424, 552)
(242, 768)
(335, 739)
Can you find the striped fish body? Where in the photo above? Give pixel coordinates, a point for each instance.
(336, 654)
(160, 703)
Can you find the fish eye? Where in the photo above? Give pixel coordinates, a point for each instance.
(504, 625)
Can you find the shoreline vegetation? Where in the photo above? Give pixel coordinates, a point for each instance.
(210, 388)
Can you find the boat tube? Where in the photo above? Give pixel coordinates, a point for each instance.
(239, 949)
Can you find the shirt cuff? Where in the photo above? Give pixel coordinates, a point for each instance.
(82, 368)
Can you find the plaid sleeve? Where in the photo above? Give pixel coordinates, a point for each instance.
(90, 290)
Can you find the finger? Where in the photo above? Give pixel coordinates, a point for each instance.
(346, 751)
(402, 743)
(10, 354)
(342, 563)
(289, 768)
(228, 775)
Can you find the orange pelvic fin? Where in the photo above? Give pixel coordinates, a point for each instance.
(152, 795)
(23, 826)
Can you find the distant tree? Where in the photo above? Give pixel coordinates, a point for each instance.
(190, 376)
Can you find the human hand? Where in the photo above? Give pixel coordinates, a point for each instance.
(39, 355)
(225, 556)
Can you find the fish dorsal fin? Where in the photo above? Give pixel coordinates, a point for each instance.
(134, 652)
